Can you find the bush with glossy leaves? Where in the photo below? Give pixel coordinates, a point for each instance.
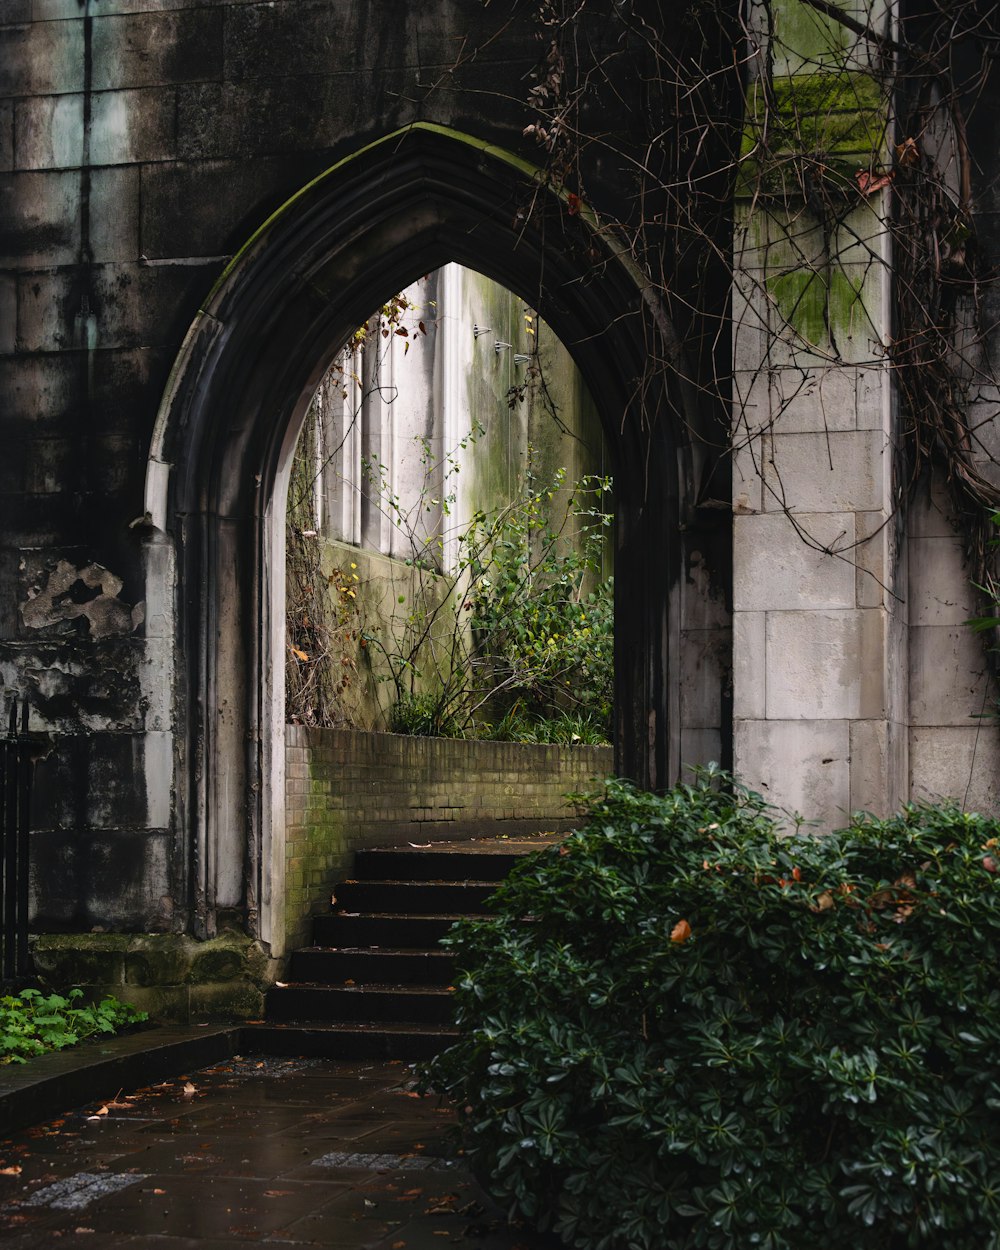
(683, 1028)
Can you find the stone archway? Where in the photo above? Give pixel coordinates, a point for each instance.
(218, 466)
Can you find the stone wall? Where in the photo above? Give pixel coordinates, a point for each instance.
(347, 790)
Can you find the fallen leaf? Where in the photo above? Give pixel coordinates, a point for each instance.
(189, 1090)
(907, 152)
(869, 183)
(159, 1191)
(14, 1171)
(276, 1193)
(823, 902)
(98, 1113)
(398, 1245)
(680, 932)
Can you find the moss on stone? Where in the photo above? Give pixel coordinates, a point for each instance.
(162, 973)
(63, 960)
(835, 119)
(232, 1000)
(814, 301)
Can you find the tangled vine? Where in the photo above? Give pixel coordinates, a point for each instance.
(865, 151)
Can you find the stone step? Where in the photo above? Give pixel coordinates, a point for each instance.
(382, 1040)
(381, 929)
(417, 1004)
(423, 898)
(486, 859)
(375, 984)
(365, 966)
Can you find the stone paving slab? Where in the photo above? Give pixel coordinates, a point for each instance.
(252, 1151)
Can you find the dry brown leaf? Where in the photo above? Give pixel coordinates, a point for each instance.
(823, 902)
(12, 1171)
(189, 1090)
(907, 152)
(680, 932)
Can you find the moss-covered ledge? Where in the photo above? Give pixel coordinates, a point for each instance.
(174, 977)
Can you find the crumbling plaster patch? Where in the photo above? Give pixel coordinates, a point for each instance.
(68, 593)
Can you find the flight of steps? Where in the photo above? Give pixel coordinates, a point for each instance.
(376, 984)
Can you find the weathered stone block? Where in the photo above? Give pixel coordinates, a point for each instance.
(825, 665)
(41, 58)
(39, 214)
(166, 1004)
(158, 960)
(949, 684)
(839, 472)
(879, 769)
(64, 960)
(155, 48)
(749, 665)
(81, 878)
(801, 766)
(6, 135)
(956, 762)
(134, 305)
(809, 400)
(49, 132)
(14, 12)
(133, 125)
(940, 590)
(232, 1000)
(777, 565)
(114, 214)
(8, 314)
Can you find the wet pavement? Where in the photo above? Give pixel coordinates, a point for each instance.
(258, 1151)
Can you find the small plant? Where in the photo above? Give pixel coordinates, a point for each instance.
(684, 1028)
(32, 1023)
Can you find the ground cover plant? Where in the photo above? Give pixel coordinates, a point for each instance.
(683, 1029)
(32, 1023)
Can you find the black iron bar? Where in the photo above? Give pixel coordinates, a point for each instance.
(16, 768)
(25, 768)
(10, 846)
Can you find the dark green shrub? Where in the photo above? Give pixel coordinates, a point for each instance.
(683, 1030)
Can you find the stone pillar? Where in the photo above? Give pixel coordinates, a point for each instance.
(819, 613)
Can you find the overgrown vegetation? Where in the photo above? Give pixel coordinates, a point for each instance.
(684, 1029)
(513, 640)
(516, 640)
(32, 1023)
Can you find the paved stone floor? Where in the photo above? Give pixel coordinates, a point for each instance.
(282, 1152)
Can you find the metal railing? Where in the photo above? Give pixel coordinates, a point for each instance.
(16, 771)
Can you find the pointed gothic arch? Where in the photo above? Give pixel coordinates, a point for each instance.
(237, 395)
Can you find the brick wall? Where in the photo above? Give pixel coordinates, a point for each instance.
(347, 790)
